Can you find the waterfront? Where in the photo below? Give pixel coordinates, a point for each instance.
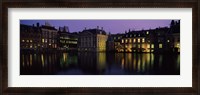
(90, 63)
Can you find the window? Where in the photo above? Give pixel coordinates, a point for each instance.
(168, 41)
(126, 40)
(130, 40)
(152, 45)
(122, 41)
(43, 40)
(31, 41)
(160, 45)
(143, 40)
(148, 46)
(118, 37)
(138, 40)
(138, 46)
(134, 40)
(147, 32)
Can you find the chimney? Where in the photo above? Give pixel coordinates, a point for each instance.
(101, 28)
(97, 27)
(85, 28)
(33, 25)
(38, 25)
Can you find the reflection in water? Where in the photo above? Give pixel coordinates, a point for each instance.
(88, 63)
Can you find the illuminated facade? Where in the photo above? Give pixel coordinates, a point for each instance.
(67, 40)
(92, 40)
(153, 40)
(48, 36)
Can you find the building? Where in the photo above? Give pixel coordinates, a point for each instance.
(113, 42)
(48, 37)
(66, 40)
(38, 37)
(162, 39)
(29, 37)
(92, 40)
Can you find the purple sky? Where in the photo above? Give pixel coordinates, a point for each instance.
(112, 26)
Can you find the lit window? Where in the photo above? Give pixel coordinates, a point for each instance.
(148, 46)
(22, 40)
(178, 45)
(147, 32)
(27, 41)
(134, 40)
(122, 41)
(43, 40)
(152, 45)
(168, 41)
(138, 40)
(126, 40)
(160, 45)
(30, 46)
(130, 40)
(31, 41)
(143, 40)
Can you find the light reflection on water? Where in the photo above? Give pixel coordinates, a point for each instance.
(99, 64)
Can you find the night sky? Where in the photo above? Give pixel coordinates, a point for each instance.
(112, 26)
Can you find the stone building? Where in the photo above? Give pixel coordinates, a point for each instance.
(38, 37)
(29, 37)
(48, 36)
(92, 40)
(162, 39)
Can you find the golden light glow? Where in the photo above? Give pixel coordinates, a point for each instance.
(122, 41)
(42, 58)
(31, 41)
(130, 41)
(134, 40)
(138, 40)
(168, 41)
(148, 45)
(143, 40)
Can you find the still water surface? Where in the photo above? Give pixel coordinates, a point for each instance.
(99, 64)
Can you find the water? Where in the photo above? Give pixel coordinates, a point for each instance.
(99, 64)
